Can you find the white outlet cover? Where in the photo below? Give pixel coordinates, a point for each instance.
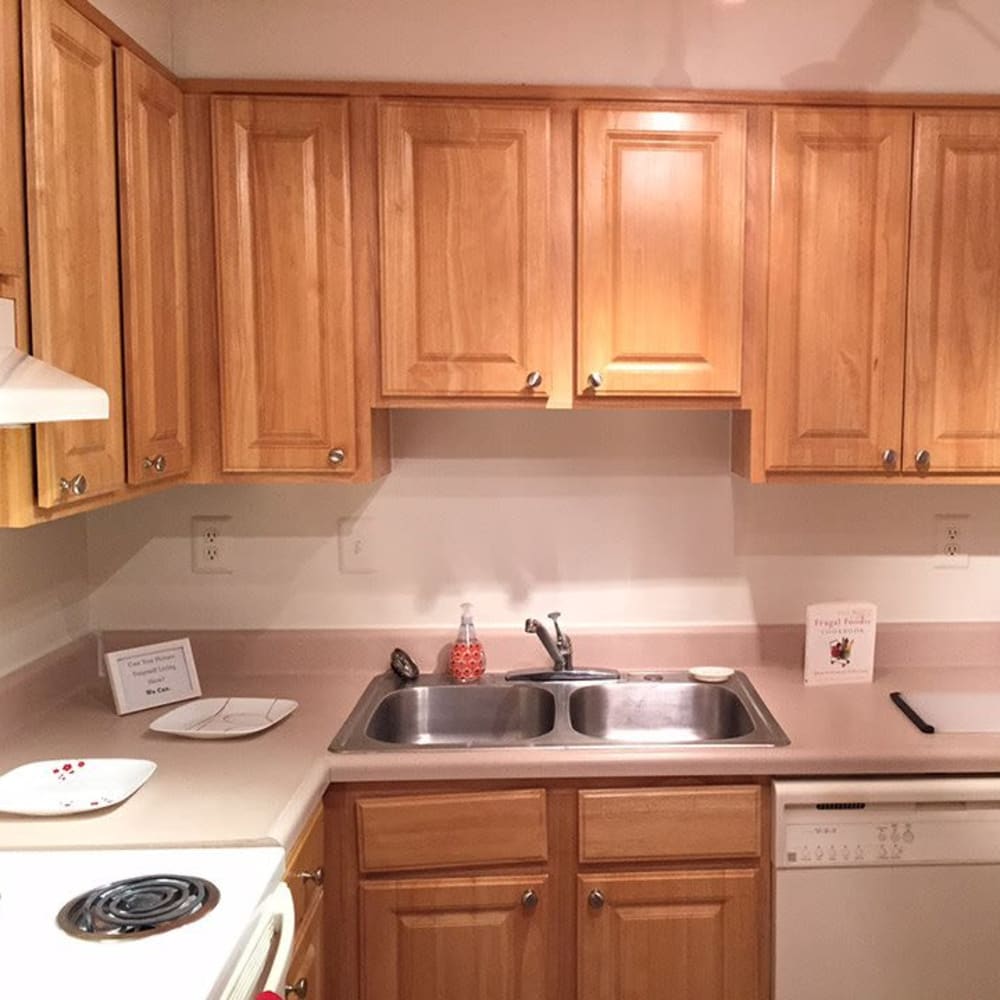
(942, 525)
(358, 546)
(210, 557)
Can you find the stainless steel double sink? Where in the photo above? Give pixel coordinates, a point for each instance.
(653, 709)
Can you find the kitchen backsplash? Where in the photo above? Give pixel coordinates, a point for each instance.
(625, 518)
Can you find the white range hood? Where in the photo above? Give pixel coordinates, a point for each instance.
(34, 392)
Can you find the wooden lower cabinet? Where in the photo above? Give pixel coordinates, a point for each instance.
(307, 973)
(573, 917)
(678, 935)
(456, 939)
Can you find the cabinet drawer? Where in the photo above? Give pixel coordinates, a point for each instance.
(445, 831)
(304, 873)
(665, 823)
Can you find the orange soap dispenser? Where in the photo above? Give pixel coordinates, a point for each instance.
(468, 659)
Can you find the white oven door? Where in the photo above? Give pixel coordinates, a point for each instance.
(264, 961)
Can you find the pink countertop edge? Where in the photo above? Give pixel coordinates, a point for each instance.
(262, 788)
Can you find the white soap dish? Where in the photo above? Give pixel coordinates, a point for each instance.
(711, 675)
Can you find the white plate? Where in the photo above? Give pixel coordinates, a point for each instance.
(223, 718)
(71, 785)
(711, 675)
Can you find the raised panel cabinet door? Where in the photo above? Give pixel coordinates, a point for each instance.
(456, 939)
(668, 936)
(307, 972)
(154, 271)
(12, 250)
(661, 221)
(283, 212)
(466, 282)
(837, 289)
(953, 339)
(73, 239)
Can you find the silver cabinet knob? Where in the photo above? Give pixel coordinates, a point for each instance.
(889, 458)
(75, 487)
(298, 989)
(529, 900)
(336, 456)
(158, 463)
(316, 877)
(534, 380)
(595, 380)
(595, 899)
(922, 459)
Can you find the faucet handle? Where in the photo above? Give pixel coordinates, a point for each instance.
(562, 640)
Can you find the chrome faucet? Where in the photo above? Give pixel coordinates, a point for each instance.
(560, 648)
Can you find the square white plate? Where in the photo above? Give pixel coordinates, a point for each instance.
(223, 718)
(71, 785)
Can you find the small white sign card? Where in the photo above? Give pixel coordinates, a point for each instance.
(148, 676)
(840, 643)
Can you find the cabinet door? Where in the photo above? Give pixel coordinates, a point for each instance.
(661, 223)
(690, 935)
(837, 288)
(154, 271)
(11, 143)
(953, 340)
(306, 973)
(284, 266)
(466, 285)
(73, 237)
(456, 939)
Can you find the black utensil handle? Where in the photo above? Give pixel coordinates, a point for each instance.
(901, 703)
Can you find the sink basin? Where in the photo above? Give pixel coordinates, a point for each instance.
(462, 716)
(654, 709)
(659, 713)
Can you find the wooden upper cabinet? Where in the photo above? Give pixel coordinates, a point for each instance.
(661, 250)
(286, 333)
(154, 271)
(466, 282)
(457, 939)
(953, 338)
(73, 237)
(837, 288)
(660, 936)
(11, 143)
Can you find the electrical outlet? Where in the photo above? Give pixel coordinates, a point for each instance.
(358, 553)
(951, 541)
(210, 545)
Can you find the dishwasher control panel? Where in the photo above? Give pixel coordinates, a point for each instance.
(843, 824)
(850, 843)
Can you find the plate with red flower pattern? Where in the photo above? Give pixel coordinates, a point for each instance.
(71, 785)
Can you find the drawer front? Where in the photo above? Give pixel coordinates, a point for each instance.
(647, 824)
(452, 831)
(304, 873)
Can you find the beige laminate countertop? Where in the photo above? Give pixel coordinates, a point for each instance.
(262, 788)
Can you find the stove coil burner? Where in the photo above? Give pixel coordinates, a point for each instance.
(137, 907)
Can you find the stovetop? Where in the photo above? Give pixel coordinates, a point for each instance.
(190, 961)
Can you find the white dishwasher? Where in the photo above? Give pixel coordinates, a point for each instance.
(887, 889)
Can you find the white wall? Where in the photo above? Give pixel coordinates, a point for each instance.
(830, 44)
(613, 517)
(43, 590)
(149, 22)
